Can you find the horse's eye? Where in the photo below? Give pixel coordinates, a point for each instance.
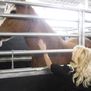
(13, 12)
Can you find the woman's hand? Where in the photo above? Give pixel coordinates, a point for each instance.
(42, 45)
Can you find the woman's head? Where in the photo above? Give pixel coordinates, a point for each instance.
(81, 62)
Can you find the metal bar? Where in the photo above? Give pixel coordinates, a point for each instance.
(88, 21)
(35, 51)
(12, 60)
(8, 59)
(23, 69)
(81, 28)
(87, 10)
(2, 6)
(59, 27)
(21, 16)
(88, 34)
(35, 34)
(47, 5)
(22, 72)
(86, 4)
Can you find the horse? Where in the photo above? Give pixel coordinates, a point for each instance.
(37, 26)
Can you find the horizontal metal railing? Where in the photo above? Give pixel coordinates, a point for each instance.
(16, 59)
(21, 16)
(39, 4)
(87, 34)
(22, 72)
(48, 5)
(36, 34)
(21, 52)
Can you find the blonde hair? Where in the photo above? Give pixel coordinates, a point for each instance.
(81, 62)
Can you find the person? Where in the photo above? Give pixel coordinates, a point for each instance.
(57, 69)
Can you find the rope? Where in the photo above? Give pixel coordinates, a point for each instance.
(81, 62)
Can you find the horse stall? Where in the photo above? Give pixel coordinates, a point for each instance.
(22, 65)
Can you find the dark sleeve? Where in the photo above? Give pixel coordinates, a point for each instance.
(61, 70)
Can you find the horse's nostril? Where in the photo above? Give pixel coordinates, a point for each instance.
(13, 12)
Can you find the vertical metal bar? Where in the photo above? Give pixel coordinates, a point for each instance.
(12, 61)
(81, 17)
(79, 27)
(83, 28)
(86, 4)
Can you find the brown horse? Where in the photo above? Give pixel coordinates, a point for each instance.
(38, 25)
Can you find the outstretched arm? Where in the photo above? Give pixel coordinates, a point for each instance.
(55, 68)
(42, 45)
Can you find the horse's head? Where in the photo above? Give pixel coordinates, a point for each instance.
(17, 24)
(24, 25)
(14, 24)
